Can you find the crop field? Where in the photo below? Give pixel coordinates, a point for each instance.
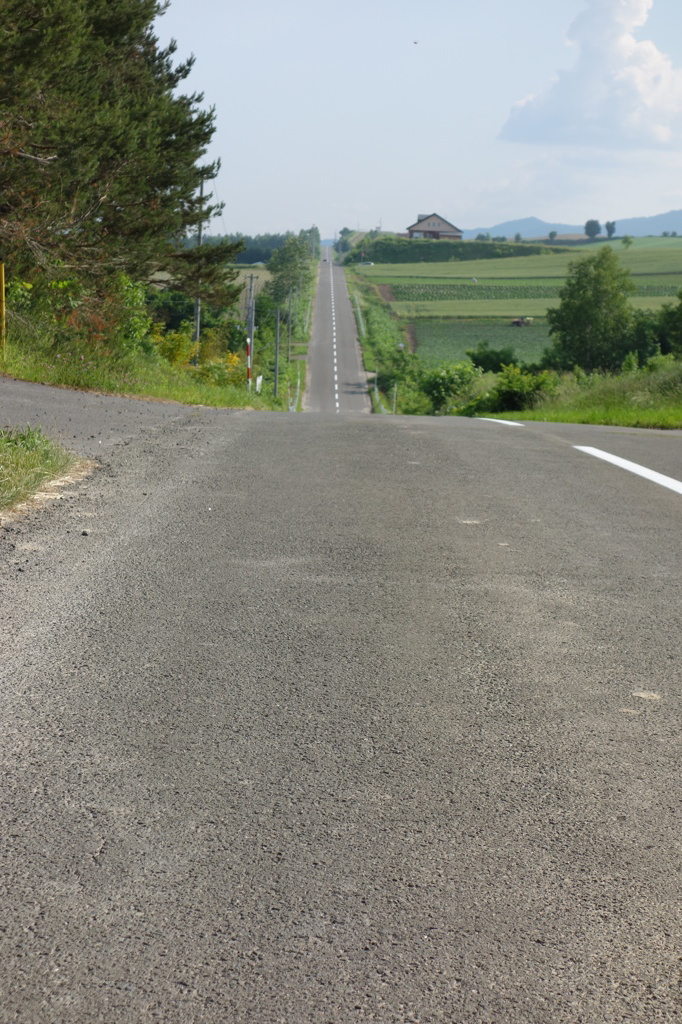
(446, 341)
(505, 309)
(455, 306)
(660, 257)
(508, 290)
(525, 286)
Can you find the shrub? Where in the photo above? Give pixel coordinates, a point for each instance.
(447, 383)
(176, 347)
(491, 360)
(516, 389)
(412, 401)
(391, 249)
(221, 373)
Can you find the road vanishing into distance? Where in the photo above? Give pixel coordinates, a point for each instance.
(337, 381)
(328, 717)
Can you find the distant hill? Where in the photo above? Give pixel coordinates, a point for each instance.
(532, 227)
(527, 227)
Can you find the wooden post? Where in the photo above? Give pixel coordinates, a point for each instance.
(3, 324)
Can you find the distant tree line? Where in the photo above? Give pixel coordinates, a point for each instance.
(391, 249)
(261, 248)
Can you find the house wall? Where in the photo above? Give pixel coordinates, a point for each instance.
(434, 227)
(432, 233)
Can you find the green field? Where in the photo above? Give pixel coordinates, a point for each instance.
(447, 341)
(505, 309)
(525, 286)
(509, 290)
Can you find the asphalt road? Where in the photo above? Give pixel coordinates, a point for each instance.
(328, 718)
(336, 381)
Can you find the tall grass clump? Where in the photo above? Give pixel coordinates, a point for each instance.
(27, 460)
(650, 396)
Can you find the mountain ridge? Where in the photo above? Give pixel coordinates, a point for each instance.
(533, 227)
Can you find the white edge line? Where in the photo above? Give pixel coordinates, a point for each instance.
(632, 467)
(508, 423)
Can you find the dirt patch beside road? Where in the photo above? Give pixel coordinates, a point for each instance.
(411, 334)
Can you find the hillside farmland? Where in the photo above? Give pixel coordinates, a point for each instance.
(450, 308)
(524, 286)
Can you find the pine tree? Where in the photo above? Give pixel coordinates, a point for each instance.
(100, 157)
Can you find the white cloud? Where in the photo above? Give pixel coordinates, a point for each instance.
(621, 92)
(572, 184)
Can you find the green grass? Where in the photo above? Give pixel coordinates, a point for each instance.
(514, 290)
(605, 414)
(646, 398)
(660, 256)
(447, 341)
(27, 460)
(147, 377)
(507, 309)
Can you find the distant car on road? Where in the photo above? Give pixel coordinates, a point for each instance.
(366, 263)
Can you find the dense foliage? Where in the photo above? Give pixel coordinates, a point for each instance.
(260, 248)
(391, 249)
(291, 266)
(593, 326)
(100, 156)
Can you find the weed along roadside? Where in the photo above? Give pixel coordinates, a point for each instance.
(28, 460)
(517, 334)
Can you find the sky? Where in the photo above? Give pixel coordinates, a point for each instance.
(367, 113)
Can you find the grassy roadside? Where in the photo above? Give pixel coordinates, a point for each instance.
(128, 352)
(650, 397)
(27, 460)
(131, 374)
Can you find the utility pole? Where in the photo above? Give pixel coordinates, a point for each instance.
(197, 301)
(277, 353)
(289, 345)
(251, 316)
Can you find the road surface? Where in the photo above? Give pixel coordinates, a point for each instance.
(336, 381)
(326, 718)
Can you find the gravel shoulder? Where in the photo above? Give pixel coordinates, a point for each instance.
(86, 422)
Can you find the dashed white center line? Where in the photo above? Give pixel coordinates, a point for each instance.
(334, 354)
(633, 467)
